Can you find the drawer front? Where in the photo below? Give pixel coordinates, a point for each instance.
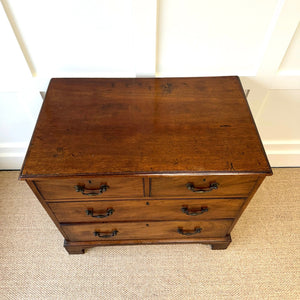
(149, 230)
(202, 186)
(140, 210)
(94, 188)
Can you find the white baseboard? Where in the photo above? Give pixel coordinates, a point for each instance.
(11, 163)
(12, 155)
(283, 153)
(284, 160)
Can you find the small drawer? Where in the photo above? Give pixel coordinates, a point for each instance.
(141, 210)
(147, 231)
(202, 186)
(93, 188)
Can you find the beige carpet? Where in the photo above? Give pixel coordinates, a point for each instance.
(262, 262)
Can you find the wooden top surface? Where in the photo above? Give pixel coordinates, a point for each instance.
(144, 126)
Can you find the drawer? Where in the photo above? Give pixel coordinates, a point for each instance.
(202, 186)
(94, 188)
(147, 231)
(141, 210)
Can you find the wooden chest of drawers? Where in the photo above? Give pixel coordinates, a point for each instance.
(132, 161)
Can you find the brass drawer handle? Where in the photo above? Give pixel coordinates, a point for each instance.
(81, 188)
(213, 186)
(185, 232)
(105, 235)
(90, 212)
(188, 212)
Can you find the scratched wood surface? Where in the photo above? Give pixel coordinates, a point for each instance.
(144, 126)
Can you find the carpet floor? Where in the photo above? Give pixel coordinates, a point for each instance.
(262, 262)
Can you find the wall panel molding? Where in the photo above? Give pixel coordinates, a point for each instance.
(256, 40)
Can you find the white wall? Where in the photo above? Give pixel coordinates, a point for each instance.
(257, 40)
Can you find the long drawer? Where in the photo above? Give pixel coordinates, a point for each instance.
(147, 230)
(93, 188)
(202, 186)
(140, 210)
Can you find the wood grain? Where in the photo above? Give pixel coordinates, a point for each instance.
(175, 186)
(144, 126)
(144, 140)
(81, 247)
(141, 210)
(119, 187)
(149, 230)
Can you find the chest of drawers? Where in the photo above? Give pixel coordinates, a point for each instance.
(142, 161)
